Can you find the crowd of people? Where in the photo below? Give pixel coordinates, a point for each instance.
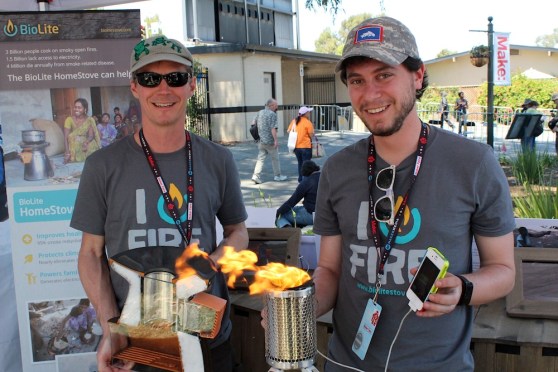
(85, 133)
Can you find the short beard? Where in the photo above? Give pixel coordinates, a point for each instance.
(407, 105)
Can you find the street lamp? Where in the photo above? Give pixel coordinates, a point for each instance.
(490, 84)
(490, 87)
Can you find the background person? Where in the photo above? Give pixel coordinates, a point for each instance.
(127, 192)
(411, 163)
(266, 120)
(107, 131)
(444, 110)
(461, 107)
(305, 132)
(305, 191)
(554, 120)
(528, 142)
(81, 137)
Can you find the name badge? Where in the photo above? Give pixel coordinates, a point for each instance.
(366, 329)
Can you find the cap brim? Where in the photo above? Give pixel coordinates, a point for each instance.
(158, 58)
(392, 58)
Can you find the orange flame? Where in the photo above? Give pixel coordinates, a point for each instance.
(271, 277)
(234, 264)
(183, 270)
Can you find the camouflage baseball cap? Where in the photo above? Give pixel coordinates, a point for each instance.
(159, 48)
(384, 39)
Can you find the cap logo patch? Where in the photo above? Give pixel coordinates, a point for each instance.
(142, 47)
(374, 33)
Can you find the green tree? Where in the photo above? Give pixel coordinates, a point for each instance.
(445, 52)
(513, 95)
(328, 5)
(548, 41)
(153, 26)
(332, 42)
(328, 42)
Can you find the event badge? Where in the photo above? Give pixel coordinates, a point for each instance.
(366, 329)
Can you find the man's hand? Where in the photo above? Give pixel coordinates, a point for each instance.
(444, 300)
(104, 353)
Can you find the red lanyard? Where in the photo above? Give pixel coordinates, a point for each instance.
(376, 236)
(171, 207)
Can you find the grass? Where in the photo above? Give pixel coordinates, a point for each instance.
(537, 173)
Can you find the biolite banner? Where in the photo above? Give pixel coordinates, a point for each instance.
(64, 93)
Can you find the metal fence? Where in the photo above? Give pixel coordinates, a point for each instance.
(336, 118)
(198, 118)
(476, 114)
(324, 117)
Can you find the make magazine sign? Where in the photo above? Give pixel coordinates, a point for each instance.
(54, 65)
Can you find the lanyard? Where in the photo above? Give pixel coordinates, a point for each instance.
(390, 240)
(171, 207)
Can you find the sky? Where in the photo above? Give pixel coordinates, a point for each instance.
(436, 24)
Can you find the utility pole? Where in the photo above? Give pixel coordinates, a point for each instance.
(490, 84)
(490, 87)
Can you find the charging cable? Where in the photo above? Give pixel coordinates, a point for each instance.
(389, 353)
(339, 364)
(395, 338)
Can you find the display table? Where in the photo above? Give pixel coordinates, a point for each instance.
(499, 342)
(503, 343)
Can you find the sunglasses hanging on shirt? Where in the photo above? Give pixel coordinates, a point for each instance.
(384, 206)
(153, 79)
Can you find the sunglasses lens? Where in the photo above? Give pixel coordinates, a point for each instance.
(177, 79)
(385, 177)
(382, 209)
(149, 79)
(153, 79)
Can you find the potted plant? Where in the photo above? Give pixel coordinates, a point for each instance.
(479, 55)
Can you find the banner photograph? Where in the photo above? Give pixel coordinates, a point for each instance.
(64, 93)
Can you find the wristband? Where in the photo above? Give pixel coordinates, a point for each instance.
(466, 291)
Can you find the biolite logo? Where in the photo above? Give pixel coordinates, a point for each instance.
(10, 29)
(179, 201)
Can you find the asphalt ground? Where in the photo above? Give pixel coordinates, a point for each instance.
(271, 193)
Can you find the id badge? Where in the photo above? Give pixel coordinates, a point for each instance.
(366, 329)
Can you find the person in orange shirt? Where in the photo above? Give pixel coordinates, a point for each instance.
(305, 132)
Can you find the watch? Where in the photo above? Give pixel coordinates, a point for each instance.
(466, 291)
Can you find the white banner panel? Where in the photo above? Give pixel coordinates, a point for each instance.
(502, 69)
(50, 61)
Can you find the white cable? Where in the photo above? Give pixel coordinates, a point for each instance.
(389, 353)
(395, 338)
(339, 364)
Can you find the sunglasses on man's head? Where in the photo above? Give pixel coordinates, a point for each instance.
(384, 207)
(153, 79)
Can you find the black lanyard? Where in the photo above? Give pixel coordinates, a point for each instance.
(171, 207)
(390, 241)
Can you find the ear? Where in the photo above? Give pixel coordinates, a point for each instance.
(419, 76)
(192, 86)
(133, 88)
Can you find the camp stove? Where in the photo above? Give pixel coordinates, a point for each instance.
(290, 337)
(163, 317)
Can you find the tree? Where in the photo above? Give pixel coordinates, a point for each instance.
(328, 42)
(331, 5)
(513, 95)
(548, 41)
(332, 42)
(445, 52)
(153, 26)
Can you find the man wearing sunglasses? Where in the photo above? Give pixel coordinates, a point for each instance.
(383, 200)
(160, 187)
